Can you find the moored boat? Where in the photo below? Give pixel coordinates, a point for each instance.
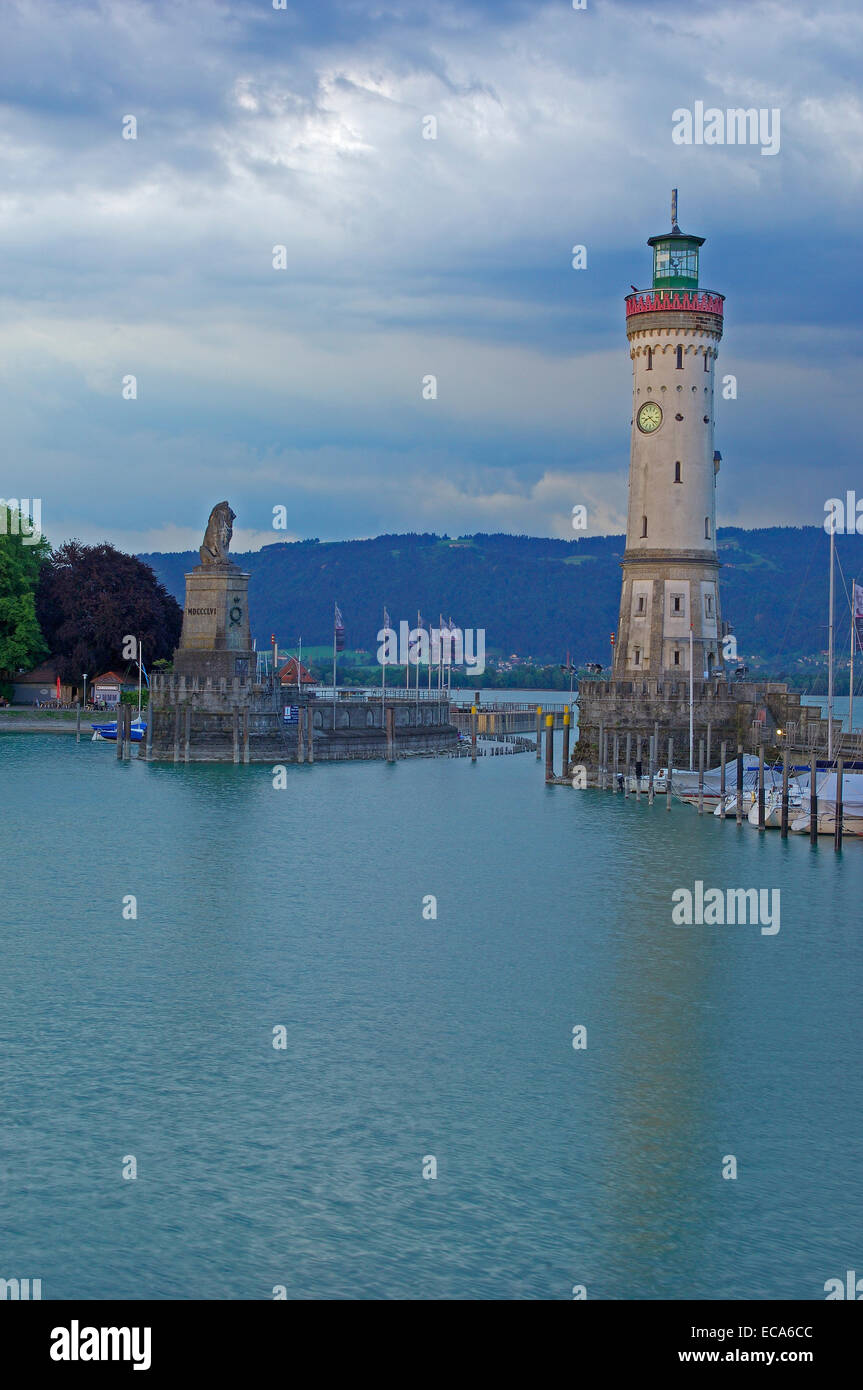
(108, 730)
(684, 782)
(773, 806)
(729, 806)
(852, 804)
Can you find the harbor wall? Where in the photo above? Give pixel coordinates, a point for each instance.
(746, 712)
(202, 719)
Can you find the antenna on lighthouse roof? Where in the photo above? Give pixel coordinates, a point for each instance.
(674, 226)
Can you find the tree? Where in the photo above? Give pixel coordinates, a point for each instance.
(21, 641)
(91, 598)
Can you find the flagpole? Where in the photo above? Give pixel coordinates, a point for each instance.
(139, 676)
(691, 702)
(853, 645)
(334, 661)
(830, 652)
(440, 657)
(384, 662)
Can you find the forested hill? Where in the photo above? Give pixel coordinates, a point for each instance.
(534, 597)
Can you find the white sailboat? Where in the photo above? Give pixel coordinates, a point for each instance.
(797, 804)
(852, 803)
(684, 784)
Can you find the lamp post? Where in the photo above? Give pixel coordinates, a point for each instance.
(84, 700)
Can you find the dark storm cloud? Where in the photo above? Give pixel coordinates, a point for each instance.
(303, 128)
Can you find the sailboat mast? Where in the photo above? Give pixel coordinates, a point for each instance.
(139, 677)
(830, 652)
(691, 704)
(853, 645)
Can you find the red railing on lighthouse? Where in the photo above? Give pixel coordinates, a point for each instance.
(671, 301)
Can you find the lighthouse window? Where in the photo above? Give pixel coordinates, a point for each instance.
(706, 368)
(677, 657)
(643, 526)
(677, 603)
(680, 359)
(640, 608)
(708, 605)
(650, 359)
(677, 477)
(707, 528)
(636, 657)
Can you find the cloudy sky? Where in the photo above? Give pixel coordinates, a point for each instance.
(303, 127)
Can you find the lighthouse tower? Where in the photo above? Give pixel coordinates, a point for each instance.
(669, 603)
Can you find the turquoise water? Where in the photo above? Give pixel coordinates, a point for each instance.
(406, 1038)
(841, 708)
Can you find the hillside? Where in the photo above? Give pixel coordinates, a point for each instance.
(535, 597)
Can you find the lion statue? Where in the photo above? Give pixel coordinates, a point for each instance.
(217, 536)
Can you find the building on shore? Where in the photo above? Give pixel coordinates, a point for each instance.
(108, 688)
(295, 673)
(669, 678)
(39, 686)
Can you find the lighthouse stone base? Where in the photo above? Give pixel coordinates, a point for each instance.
(739, 712)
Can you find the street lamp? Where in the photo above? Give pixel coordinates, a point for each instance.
(84, 700)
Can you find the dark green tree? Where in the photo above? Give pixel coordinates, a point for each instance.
(92, 597)
(21, 640)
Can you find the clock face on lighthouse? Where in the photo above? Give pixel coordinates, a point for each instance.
(649, 417)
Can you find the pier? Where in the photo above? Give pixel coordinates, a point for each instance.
(495, 720)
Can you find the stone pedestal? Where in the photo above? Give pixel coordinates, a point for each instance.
(215, 642)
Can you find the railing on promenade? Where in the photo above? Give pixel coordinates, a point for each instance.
(345, 694)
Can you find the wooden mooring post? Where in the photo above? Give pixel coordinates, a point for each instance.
(651, 768)
(148, 745)
(601, 769)
(837, 830)
(473, 724)
(701, 776)
(783, 815)
(310, 732)
(235, 726)
(722, 748)
(668, 781)
(301, 756)
(813, 801)
(761, 786)
(627, 767)
(391, 733)
(77, 721)
(564, 769)
(739, 813)
(616, 763)
(538, 732)
(176, 733)
(187, 734)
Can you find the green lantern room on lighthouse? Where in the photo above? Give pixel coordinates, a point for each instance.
(675, 256)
